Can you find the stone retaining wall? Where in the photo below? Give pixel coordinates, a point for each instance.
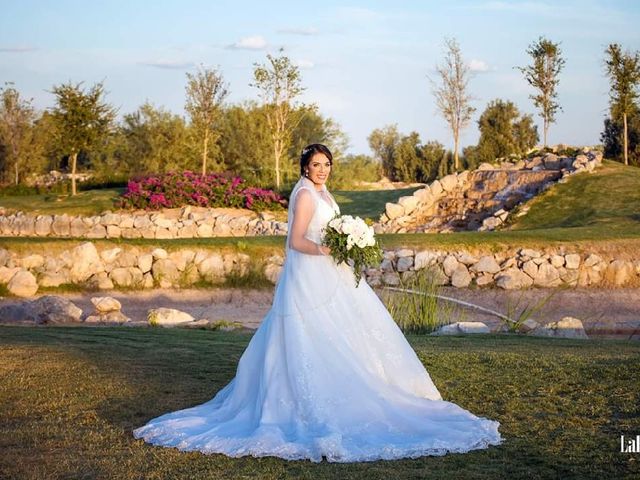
(186, 222)
(140, 267)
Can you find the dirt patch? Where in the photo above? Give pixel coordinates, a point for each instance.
(604, 312)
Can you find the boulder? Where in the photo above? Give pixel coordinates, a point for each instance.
(106, 304)
(48, 309)
(393, 210)
(84, 262)
(23, 284)
(619, 272)
(460, 328)
(512, 279)
(568, 327)
(113, 317)
(168, 317)
(486, 264)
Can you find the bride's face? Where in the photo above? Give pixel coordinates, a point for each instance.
(319, 168)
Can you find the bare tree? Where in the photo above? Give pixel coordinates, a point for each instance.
(623, 70)
(279, 83)
(81, 119)
(16, 119)
(452, 98)
(206, 91)
(543, 75)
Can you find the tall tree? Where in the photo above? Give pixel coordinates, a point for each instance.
(16, 126)
(81, 120)
(503, 131)
(623, 70)
(452, 98)
(383, 142)
(279, 83)
(206, 90)
(544, 75)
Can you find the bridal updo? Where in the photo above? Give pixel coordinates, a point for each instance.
(309, 151)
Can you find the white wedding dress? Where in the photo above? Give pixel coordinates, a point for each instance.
(327, 374)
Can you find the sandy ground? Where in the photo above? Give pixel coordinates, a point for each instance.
(604, 312)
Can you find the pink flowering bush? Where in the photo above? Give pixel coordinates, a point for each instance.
(171, 190)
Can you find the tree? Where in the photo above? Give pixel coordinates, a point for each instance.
(383, 142)
(81, 119)
(623, 70)
(543, 75)
(612, 135)
(156, 140)
(452, 98)
(279, 83)
(17, 117)
(503, 131)
(206, 91)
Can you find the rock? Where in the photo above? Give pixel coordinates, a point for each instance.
(467, 258)
(84, 262)
(512, 279)
(459, 328)
(449, 265)
(165, 272)
(110, 255)
(159, 254)
(436, 188)
(557, 261)
(449, 182)
(404, 252)
(106, 304)
(272, 272)
(404, 264)
(484, 279)
(49, 309)
(568, 327)
(52, 279)
(43, 225)
(547, 276)
(409, 203)
(619, 272)
(486, 264)
(528, 325)
(572, 261)
(391, 278)
(32, 261)
(393, 210)
(168, 317)
(592, 260)
(23, 284)
(101, 281)
(6, 274)
(145, 262)
(424, 259)
(528, 252)
(461, 277)
(114, 317)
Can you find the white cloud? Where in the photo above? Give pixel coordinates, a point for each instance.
(299, 31)
(303, 63)
(169, 64)
(478, 66)
(255, 42)
(18, 49)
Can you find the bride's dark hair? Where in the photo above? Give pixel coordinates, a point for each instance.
(309, 151)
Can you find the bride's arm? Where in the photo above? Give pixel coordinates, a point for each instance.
(303, 211)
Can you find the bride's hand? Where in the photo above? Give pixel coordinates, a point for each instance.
(324, 250)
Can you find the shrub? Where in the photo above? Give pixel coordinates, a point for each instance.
(171, 190)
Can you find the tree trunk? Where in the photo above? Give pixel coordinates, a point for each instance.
(625, 140)
(546, 129)
(204, 152)
(276, 154)
(456, 162)
(16, 170)
(74, 158)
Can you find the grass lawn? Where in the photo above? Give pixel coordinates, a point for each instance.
(70, 397)
(90, 202)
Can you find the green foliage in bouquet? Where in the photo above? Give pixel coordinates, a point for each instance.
(357, 257)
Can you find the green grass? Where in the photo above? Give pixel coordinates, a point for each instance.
(606, 203)
(70, 397)
(368, 203)
(90, 202)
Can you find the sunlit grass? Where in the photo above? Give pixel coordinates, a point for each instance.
(70, 398)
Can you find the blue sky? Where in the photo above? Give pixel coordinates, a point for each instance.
(364, 63)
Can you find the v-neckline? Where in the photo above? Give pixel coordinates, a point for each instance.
(330, 205)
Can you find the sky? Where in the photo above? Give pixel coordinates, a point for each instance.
(365, 64)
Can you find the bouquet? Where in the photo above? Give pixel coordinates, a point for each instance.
(352, 238)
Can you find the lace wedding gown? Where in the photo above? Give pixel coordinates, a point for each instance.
(327, 373)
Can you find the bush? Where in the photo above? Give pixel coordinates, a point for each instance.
(171, 190)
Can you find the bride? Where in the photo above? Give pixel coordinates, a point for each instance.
(328, 373)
